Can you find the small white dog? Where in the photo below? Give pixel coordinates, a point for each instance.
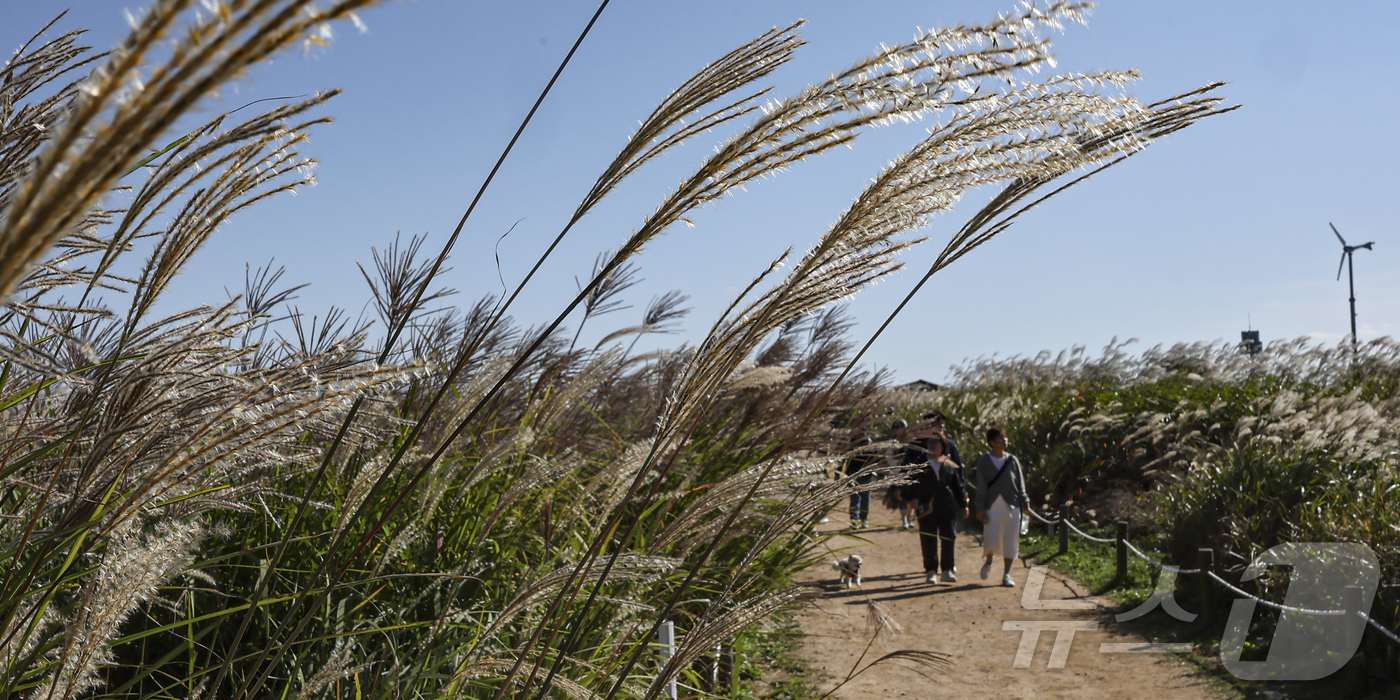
(849, 569)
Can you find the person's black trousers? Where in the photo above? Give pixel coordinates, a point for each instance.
(934, 528)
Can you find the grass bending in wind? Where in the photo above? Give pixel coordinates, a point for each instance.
(239, 501)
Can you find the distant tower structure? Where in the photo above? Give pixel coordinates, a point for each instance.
(1250, 343)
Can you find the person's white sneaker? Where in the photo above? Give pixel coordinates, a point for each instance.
(932, 576)
(949, 577)
(1006, 580)
(987, 570)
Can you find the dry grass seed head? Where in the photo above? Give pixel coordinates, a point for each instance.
(117, 116)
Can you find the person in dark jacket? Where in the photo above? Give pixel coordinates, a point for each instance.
(938, 423)
(939, 496)
(916, 451)
(858, 457)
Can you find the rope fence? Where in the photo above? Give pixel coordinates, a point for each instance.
(1393, 637)
(1125, 547)
(1165, 567)
(1088, 536)
(1270, 604)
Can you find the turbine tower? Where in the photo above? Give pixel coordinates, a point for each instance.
(1347, 250)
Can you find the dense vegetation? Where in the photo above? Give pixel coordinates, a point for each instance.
(1206, 446)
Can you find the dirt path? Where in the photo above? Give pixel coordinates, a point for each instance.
(965, 621)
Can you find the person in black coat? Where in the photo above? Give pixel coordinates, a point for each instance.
(916, 452)
(938, 423)
(858, 457)
(940, 495)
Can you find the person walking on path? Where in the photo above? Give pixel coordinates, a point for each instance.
(858, 457)
(939, 496)
(917, 452)
(1001, 503)
(938, 422)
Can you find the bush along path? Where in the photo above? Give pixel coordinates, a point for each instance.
(1045, 638)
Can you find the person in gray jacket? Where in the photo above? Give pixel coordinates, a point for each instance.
(1001, 503)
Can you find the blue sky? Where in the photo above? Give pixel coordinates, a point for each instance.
(1213, 228)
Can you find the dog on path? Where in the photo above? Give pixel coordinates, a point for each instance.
(849, 569)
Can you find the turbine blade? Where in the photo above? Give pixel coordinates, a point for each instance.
(1367, 245)
(1339, 235)
(1339, 266)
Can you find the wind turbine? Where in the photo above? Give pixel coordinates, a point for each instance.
(1351, 281)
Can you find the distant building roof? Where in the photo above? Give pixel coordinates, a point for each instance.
(919, 385)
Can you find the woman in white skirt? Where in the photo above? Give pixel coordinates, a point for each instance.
(1001, 503)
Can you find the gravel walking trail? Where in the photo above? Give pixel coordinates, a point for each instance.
(965, 621)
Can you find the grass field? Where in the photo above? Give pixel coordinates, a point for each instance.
(238, 501)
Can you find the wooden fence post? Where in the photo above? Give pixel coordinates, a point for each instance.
(1122, 545)
(1063, 526)
(1205, 561)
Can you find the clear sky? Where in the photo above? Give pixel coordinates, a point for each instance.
(1213, 228)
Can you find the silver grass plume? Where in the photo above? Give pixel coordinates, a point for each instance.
(181, 423)
(714, 627)
(667, 127)
(879, 617)
(131, 569)
(600, 370)
(938, 70)
(498, 667)
(205, 178)
(900, 83)
(539, 475)
(398, 277)
(25, 126)
(629, 567)
(336, 667)
(117, 115)
(662, 315)
(970, 151)
(701, 519)
(758, 377)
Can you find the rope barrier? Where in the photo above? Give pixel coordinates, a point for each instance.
(1393, 636)
(1165, 567)
(1271, 604)
(1088, 536)
(1369, 620)
(1178, 570)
